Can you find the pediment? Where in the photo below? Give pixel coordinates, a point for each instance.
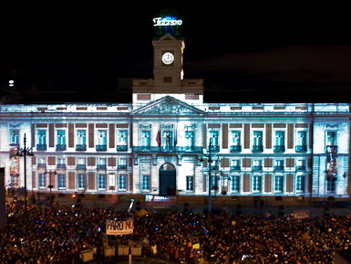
(167, 37)
(168, 105)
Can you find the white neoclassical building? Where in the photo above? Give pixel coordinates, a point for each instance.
(161, 142)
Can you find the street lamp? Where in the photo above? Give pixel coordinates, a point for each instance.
(209, 155)
(24, 152)
(50, 186)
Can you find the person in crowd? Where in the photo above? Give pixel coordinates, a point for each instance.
(58, 235)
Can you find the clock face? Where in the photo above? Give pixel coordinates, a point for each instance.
(167, 58)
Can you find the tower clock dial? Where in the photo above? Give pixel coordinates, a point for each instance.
(167, 58)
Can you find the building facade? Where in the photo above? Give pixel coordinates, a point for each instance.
(161, 142)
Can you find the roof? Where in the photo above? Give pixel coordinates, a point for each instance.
(210, 96)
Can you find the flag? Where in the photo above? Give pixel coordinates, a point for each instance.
(158, 138)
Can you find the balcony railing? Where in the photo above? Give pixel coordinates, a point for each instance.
(81, 166)
(167, 149)
(257, 168)
(257, 148)
(101, 147)
(235, 148)
(61, 147)
(278, 168)
(101, 167)
(122, 147)
(279, 148)
(41, 146)
(235, 168)
(301, 148)
(81, 147)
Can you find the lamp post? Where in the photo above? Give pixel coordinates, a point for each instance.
(50, 186)
(24, 152)
(209, 156)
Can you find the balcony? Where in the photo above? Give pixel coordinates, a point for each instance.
(257, 168)
(61, 147)
(122, 147)
(257, 148)
(61, 166)
(101, 147)
(235, 148)
(235, 168)
(167, 149)
(214, 148)
(279, 148)
(300, 168)
(121, 167)
(101, 167)
(81, 147)
(81, 167)
(301, 148)
(278, 168)
(41, 147)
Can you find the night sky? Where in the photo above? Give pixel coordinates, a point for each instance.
(235, 47)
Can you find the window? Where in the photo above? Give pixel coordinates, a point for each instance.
(122, 140)
(235, 141)
(61, 181)
(279, 165)
(257, 141)
(42, 180)
(257, 165)
(61, 163)
(61, 140)
(61, 137)
(279, 141)
(167, 139)
(41, 139)
(145, 139)
(145, 183)
(102, 140)
(101, 181)
(301, 142)
(331, 138)
(301, 164)
(81, 163)
(257, 183)
(189, 140)
(278, 184)
(101, 163)
(122, 182)
(214, 138)
(235, 138)
(122, 164)
(81, 181)
(235, 164)
(300, 183)
(14, 137)
(235, 186)
(189, 183)
(81, 137)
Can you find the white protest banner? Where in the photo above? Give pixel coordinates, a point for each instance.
(119, 227)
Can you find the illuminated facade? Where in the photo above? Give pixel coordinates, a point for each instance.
(155, 144)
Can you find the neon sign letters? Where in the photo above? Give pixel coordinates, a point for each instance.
(167, 21)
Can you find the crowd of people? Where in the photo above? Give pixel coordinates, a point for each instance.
(44, 235)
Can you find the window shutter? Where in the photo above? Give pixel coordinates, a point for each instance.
(268, 183)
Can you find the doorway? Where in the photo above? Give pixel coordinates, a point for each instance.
(168, 182)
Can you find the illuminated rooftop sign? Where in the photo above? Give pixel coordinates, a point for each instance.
(167, 21)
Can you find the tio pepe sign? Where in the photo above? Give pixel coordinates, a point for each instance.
(167, 21)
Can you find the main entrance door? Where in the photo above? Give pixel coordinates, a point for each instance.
(168, 183)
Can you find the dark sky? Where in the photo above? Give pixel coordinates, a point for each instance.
(89, 46)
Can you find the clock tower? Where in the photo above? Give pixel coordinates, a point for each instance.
(168, 63)
(168, 68)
